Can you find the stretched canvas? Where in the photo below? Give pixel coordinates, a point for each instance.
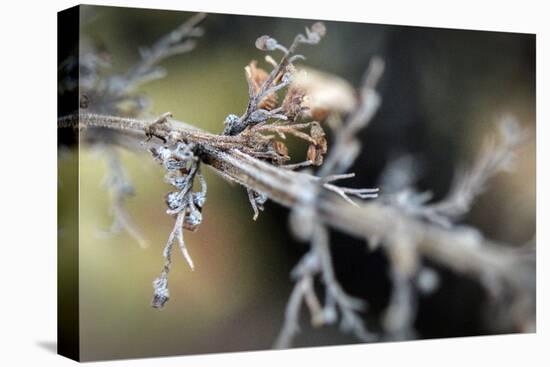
(236, 183)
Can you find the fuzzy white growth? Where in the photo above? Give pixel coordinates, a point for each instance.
(182, 167)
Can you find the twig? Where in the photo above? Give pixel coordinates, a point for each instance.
(460, 249)
(121, 189)
(346, 147)
(180, 40)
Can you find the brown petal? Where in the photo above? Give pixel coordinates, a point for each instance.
(316, 151)
(280, 147)
(318, 134)
(315, 155)
(256, 77)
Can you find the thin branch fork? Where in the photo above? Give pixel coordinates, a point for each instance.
(464, 250)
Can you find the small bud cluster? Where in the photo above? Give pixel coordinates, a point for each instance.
(182, 166)
(263, 86)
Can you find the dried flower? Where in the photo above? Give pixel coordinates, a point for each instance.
(315, 152)
(256, 77)
(292, 104)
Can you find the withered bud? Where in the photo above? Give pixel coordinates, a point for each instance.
(266, 43)
(231, 119)
(319, 28)
(179, 181)
(256, 78)
(173, 200)
(259, 116)
(260, 198)
(161, 153)
(314, 155)
(315, 33)
(317, 133)
(280, 147)
(173, 164)
(192, 219)
(231, 125)
(315, 152)
(161, 294)
(199, 199)
(292, 104)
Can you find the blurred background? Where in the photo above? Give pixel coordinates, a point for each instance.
(442, 92)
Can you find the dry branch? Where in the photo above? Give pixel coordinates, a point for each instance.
(462, 249)
(407, 229)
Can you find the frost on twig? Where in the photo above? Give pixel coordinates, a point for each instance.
(257, 202)
(403, 222)
(182, 167)
(111, 93)
(105, 92)
(497, 155)
(462, 250)
(264, 106)
(318, 262)
(346, 192)
(346, 147)
(178, 41)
